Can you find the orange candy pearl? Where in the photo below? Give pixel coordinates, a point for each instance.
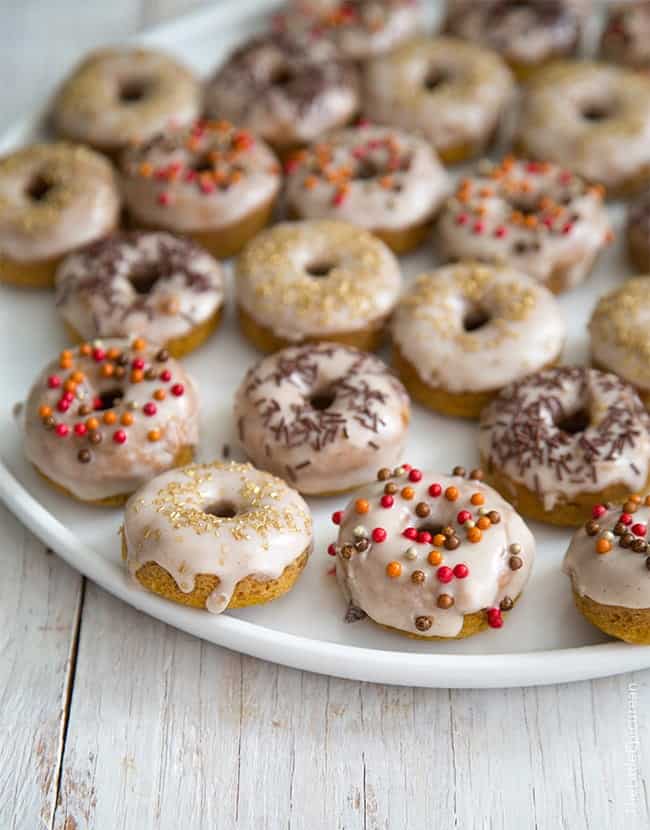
(139, 344)
(407, 493)
(45, 411)
(127, 419)
(109, 417)
(477, 499)
(603, 546)
(362, 505)
(439, 539)
(107, 370)
(85, 349)
(92, 423)
(137, 376)
(159, 394)
(393, 570)
(70, 386)
(451, 493)
(153, 435)
(474, 535)
(113, 353)
(434, 558)
(483, 523)
(77, 377)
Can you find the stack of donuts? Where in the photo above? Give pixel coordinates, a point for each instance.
(314, 156)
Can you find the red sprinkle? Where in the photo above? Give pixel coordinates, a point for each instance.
(494, 618)
(339, 197)
(566, 229)
(461, 571)
(54, 381)
(178, 389)
(415, 475)
(149, 408)
(331, 549)
(639, 529)
(463, 516)
(337, 516)
(598, 510)
(444, 574)
(379, 534)
(119, 436)
(424, 537)
(501, 231)
(61, 430)
(164, 198)
(406, 467)
(99, 354)
(80, 429)
(138, 363)
(435, 490)
(387, 501)
(478, 228)
(462, 219)
(410, 533)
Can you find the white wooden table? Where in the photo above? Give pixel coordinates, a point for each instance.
(109, 719)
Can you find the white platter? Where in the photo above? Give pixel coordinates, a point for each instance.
(544, 639)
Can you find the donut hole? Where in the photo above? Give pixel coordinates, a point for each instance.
(574, 422)
(202, 164)
(435, 77)
(133, 90)
(39, 188)
(475, 318)
(322, 399)
(221, 509)
(596, 111)
(281, 75)
(108, 398)
(144, 277)
(320, 268)
(368, 169)
(430, 527)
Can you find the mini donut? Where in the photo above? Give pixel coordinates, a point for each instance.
(163, 287)
(351, 29)
(211, 181)
(316, 280)
(431, 556)
(593, 118)
(276, 90)
(116, 97)
(563, 440)
(451, 92)
(637, 232)
(216, 536)
(381, 179)
(609, 568)
(322, 416)
(53, 199)
(626, 36)
(102, 419)
(526, 34)
(534, 215)
(620, 334)
(463, 332)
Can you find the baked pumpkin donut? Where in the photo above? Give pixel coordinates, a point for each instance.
(163, 287)
(431, 556)
(211, 181)
(463, 332)
(280, 93)
(216, 536)
(116, 97)
(450, 92)
(626, 36)
(563, 440)
(322, 416)
(53, 199)
(526, 34)
(103, 418)
(609, 568)
(536, 216)
(378, 178)
(316, 280)
(620, 334)
(637, 233)
(593, 118)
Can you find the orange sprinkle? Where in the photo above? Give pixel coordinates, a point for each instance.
(386, 182)
(85, 349)
(109, 417)
(92, 423)
(137, 376)
(107, 370)
(65, 363)
(362, 505)
(159, 394)
(635, 497)
(439, 539)
(531, 221)
(127, 419)
(393, 570)
(474, 535)
(139, 344)
(153, 435)
(45, 411)
(310, 182)
(407, 493)
(70, 386)
(486, 192)
(77, 377)
(145, 169)
(434, 557)
(113, 353)
(477, 499)
(603, 546)
(451, 493)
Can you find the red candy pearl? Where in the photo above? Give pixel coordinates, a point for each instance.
(424, 537)
(80, 429)
(379, 534)
(337, 516)
(444, 574)
(119, 436)
(410, 533)
(597, 511)
(61, 430)
(625, 519)
(138, 363)
(54, 381)
(494, 618)
(435, 490)
(178, 389)
(387, 501)
(639, 529)
(461, 571)
(99, 354)
(166, 375)
(463, 516)
(478, 228)
(462, 219)
(501, 232)
(68, 396)
(63, 405)
(415, 475)
(149, 408)
(331, 549)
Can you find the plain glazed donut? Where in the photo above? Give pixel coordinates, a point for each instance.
(535, 216)
(563, 440)
(216, 536)
(626, 36)
(430, 555)
(276, 90)
(211, 181)
(592, 118)
(609, 568)
(104, 418)
(53, 199)
(322, 416)
(163, 287)
(381, 179)
(463, 332)
(316, 280)
(451, 92)
(117, 97)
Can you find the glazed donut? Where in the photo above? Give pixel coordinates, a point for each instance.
(608, 563)
(526, 34)
(462, 332)
(276, 90)
(382, 179)
(451, 92)
(102, 419)
(53, 198)
(563, 440)
(322, 416)
(216, 536)
(592, 118)
(620, 334)
(431, 556)
(534, 215)
(116, 97)
(626, 37)
(211, 181)
(316, 280)
(637, 233)
(351, 29)
(163, 287)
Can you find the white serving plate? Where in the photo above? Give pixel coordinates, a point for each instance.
(544, 639)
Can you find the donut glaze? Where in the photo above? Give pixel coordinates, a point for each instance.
(375, 177)
(154, 284)
(626, 37)
(565, 432)
(279, 92)
(101, 420)
(182, 520)
(520, 329)
(322, 416)
(119, 96)
(54, 198)
(536, 216)
(389, 565)
(592, 118)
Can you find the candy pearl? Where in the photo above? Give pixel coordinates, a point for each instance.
(415, 475)
(411, 553)
(84, 456)
(331, 549)
(410, 533)
(461, 571)
(98, 354)
(444, 574)
(54, 381)
(423, 623)
(515, 548)
(515, 563)
(63, 405)
(469, 524)
(119, 436)
(138, 363)
(639, 529)
(393, 570)
(61, 430)
(347, 552)
(494, 618)
(360, 532)
(398, 471)
(506, 604)
(379, 534)
(463, 517)
(435, 490)
(80, 429)
(387, 501)
(337, 516)
(177, 390)
(154, 435)
(423, 537)
(598, 510)
(483, 511)
(625, 519)
(607, 534)
(165, 375)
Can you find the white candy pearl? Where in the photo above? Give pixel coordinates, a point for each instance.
(411, 553)
(360, 532)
